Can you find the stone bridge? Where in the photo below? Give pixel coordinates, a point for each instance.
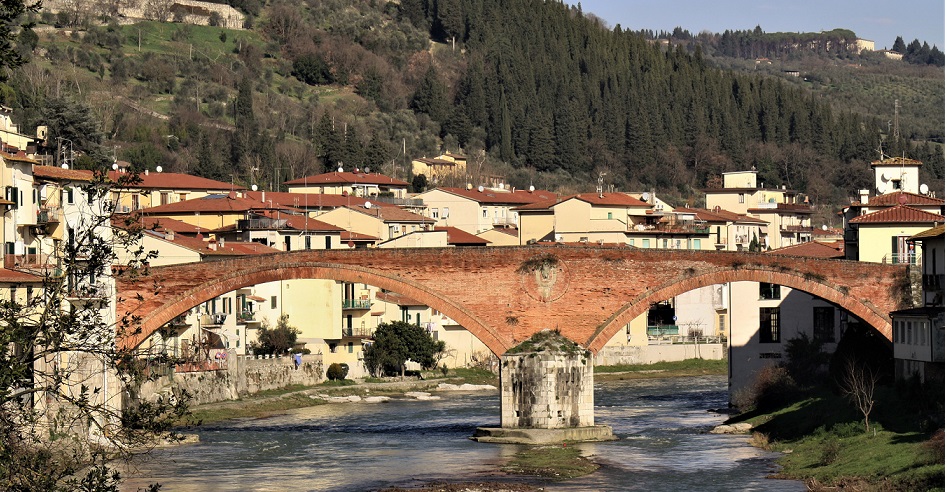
(505, 295)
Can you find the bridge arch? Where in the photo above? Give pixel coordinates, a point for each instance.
(234, 280)
(812, 284)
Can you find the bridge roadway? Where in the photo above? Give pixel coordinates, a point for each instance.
(505, 295)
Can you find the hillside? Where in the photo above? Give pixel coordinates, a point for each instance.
(534, 91)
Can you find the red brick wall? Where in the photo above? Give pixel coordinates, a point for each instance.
(596, 290)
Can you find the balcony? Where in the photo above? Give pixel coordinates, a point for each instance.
(797, 229)
(216, 319)
(246, 317)
(357, 304)
(358, 332)
(933, 282)
(900, 259)
(88, 292)
(262, 223)
(401, 202)
(47, 215)
(662, 330)
(504, 221)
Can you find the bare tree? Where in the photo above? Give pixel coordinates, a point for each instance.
(858, 385)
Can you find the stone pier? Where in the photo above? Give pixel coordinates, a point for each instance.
(546, 394)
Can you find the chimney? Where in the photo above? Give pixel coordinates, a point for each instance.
(169, 235)
(263, 196)
(220, 242)
(863, 197)
(146, 172)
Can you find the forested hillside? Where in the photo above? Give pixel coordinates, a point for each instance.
(533, 90)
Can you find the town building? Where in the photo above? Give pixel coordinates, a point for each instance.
(439, 169)
(476, 210)
(362, 184)
(149, 189)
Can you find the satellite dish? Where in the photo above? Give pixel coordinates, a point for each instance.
(480, 189)
(881, 188)
(368, 204)
(253, 188)
(469, 186)
(340, 168)
(924, 189)
(65, 166)
(825, 227)
(158, 169)
(115, 166)
(885, 176)
(646, 196)
(367, 169)
(532, 188)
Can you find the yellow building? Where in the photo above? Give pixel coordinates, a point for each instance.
(479, 209)
(359, 184)
(440, 168)
(385, 222)
(153, 189)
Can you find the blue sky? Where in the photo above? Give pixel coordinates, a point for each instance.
(878, 20)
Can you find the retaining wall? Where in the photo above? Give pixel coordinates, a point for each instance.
(649, 354)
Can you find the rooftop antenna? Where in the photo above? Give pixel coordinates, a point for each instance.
(897, 129)
(599, 187)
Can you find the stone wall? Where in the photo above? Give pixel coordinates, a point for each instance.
(243, 376)
(546, 391)
(187, 11)
(649, 354)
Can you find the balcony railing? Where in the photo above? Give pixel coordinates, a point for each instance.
(933, 282)
(662, 330)
(246, 317)
(216, 319)
(263, 223)
(504, 221)
(358, 332)
(47, 215)
(356, 304)
(900, 259)
(401, 202)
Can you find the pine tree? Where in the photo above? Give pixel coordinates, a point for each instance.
(430, 98)
(899, 46)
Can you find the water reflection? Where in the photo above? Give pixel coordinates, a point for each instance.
(348, 447)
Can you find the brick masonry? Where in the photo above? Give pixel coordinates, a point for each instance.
(505, 295)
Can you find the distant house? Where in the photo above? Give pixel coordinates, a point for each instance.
(892, 55)
(438, 168)
(360, 184)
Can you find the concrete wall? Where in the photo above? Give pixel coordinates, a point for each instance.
(242, 376)
(649, 354)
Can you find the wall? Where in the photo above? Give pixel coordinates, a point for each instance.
(649, 354)
(243, 376)
(546, 391)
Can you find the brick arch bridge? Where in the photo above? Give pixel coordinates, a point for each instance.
(504, 295)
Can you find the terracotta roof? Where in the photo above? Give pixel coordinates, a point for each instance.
(830, 232)
(434, 160)
(610, 199)
(811, 249)
(719, 215)
(398, 299)
(175, 181)
(223, 203)
(301, 222)
(346, 236)
(13, 276)
(164, 224)
(540, 206)
(244, 248)
(798, 208)
(518, 197)
(60, 174)
(312, 200)
(392, 214)
(512, 231)
(347, 178)
(456, 236)
(19, 156)
(933, 232)
(900, 214)
(900, 198)
(896, 161)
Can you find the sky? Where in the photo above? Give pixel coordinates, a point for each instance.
(878, 20)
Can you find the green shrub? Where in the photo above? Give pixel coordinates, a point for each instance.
(830, 450)
(337, 372)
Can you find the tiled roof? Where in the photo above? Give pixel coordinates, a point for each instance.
(901, 198)
(933, 232)
(19, 156)
(312, 200)
(539, 206)
(797, 208)
(896, 161)
(175, 181)
(518, 197)
(244, 248)
(13, 276)
(347, 178)
(302, 222)
(511, 231)
(456, 236)
(900, 214)
(223, 203)
(356, 236)
(392, 214)
(59, 174)
(719, 215)
(610, 199)
(164, 224)
(811, 249)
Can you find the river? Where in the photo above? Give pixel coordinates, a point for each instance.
(661, 424)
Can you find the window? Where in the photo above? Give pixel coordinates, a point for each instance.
(696, 243)
(351, 347)
(273, 302)
(823, 324)
(164, 198)
(667, 243)
(609, 215)
(70, 195)
(721, 323)
(769, 325)
(445, 212)
(135, 203)
(182, 197)
(769, 291)
(741, 198)
(308, 242)
(645, 243)
(484, 212)
(631, 242)
(435, 213)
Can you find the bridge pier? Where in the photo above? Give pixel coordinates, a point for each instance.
(546, 394)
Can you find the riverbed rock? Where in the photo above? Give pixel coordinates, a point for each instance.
(376, 399)
(465, 387)
(344, 399)
(739, 428)
(421, 395)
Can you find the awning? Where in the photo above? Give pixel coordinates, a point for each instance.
(256, 298)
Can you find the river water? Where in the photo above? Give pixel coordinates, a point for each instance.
(661, 424)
